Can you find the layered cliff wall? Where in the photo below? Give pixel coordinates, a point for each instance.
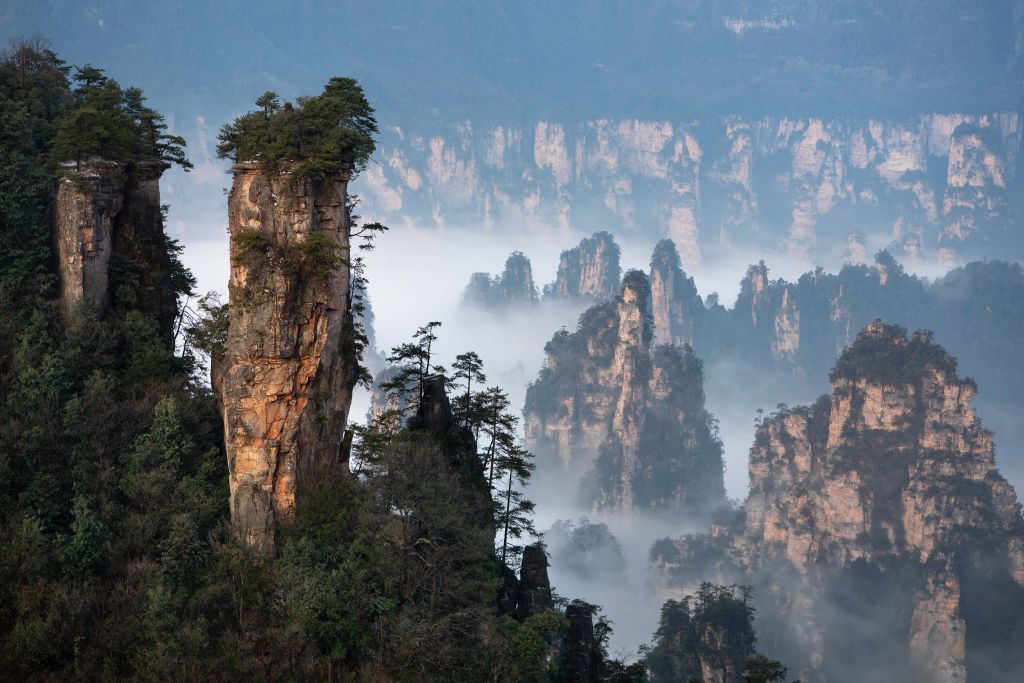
(108, 229)
(885, 497)
(289, 366)
(933, 184)
(627, 415)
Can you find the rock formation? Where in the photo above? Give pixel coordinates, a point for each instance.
(289, 364)
(704, 637)
(882, 498)
(533, 595)
(109, 232)
(579, 659)
(514, 287)
(931, 181)
(632, 414)
(588, 271)
(674, 298)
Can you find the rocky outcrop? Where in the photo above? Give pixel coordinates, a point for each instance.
(704, 637)
(533, 594)
(514, 287)
(89, 198)
(884, 493)
(797, 185)
(589, 271)
(675, 302)
(289, 363)
(108, 230)
(140, 243)
(577, 652)
(609, 403)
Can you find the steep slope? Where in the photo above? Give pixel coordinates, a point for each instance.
(881, 499)
(630, 415)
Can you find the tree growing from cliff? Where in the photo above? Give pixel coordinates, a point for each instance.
(411, 363)
(323, 135)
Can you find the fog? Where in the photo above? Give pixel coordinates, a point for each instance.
(418, 274)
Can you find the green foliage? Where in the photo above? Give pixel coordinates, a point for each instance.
(761, 669)
(712, 628)
(886, 357)
(323, 135)
(109, 122)
(313, 260)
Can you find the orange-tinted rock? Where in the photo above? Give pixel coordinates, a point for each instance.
(289, 368)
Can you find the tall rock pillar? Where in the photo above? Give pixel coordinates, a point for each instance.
(89, 198)
(289, 365)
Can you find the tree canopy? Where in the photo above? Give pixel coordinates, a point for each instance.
(325, 134)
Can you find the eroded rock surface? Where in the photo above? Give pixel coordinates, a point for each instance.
(289, 366)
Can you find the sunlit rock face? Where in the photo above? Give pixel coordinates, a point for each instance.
(109, 235)
(289, 364)
(626, 416)
(798, 185)
(885, 490)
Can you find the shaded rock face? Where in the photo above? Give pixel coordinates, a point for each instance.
(289, 363)
(533, 594)
(514, 287)
(773, 183)
(579, 658)
(631, 414)
(707, 637)
(588, 271)
(108, 231)
(883, 497)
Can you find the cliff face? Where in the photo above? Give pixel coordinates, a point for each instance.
(109, 232)
(608, 402)
(289, 369)
(588, 271)
(928, 181)
(86, 209)
(674, 299)
(886, 487)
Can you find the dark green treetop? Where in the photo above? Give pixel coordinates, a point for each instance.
(112, 123)
(325, 134)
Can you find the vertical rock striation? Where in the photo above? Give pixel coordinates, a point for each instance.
(109, 233)
(89, 198)
(289, 366)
